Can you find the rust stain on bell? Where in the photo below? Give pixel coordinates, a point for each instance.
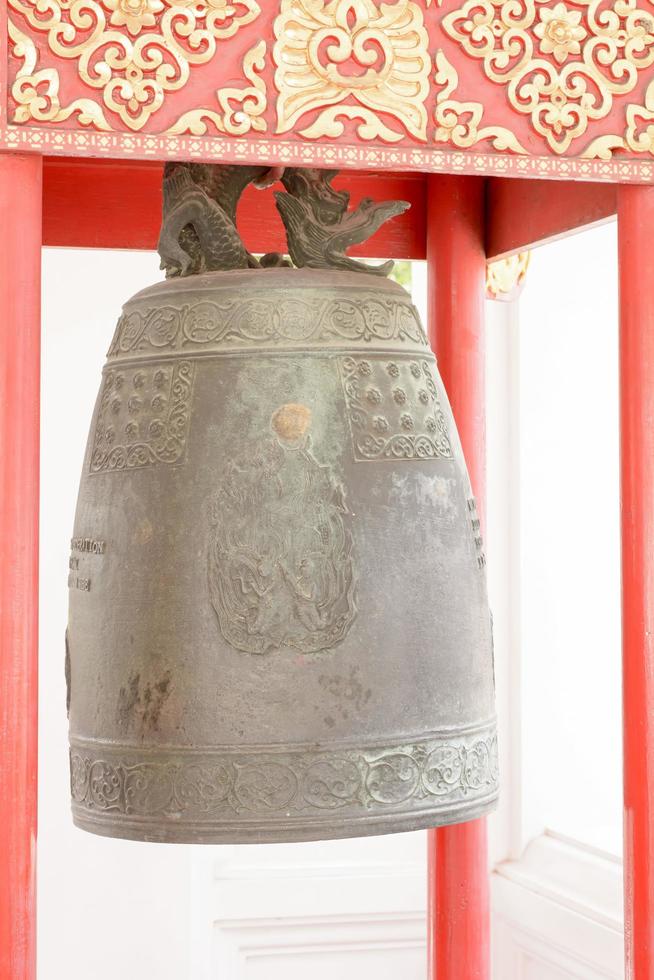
(278, 626)
(291, 422)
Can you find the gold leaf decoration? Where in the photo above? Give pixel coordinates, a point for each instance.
(505, 277)
(376, 57)
(369, 128)
(640, 125)
(603, 147)
(134, 51)
(235, 121)
(561, 65)
(36, 91)
(458, 122)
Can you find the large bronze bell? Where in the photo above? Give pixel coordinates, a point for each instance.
(279, 626)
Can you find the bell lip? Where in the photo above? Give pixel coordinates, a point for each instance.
(136, 819)
(303, 278)
(131, 828)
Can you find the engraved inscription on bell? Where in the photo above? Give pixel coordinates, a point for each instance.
(281, 571)
(78, 565)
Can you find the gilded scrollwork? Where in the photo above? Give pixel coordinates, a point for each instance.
(603, 147)
(639, 136)
(135, 52)
(560, 65)
(241, 109)
(353, 59)
(458, 122)
(504, 277)
(573, 77)
(36, 90)
(368, 127)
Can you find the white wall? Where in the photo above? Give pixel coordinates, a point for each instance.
(106, 908)
(570, 540)
(558, 899)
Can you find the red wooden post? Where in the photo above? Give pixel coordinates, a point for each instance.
(20, 279)
(459, 917)
(635, 223)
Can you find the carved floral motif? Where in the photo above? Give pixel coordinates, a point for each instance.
(355, 59)
(135, 52)
(598, 52)
(213, 786)
(143, 417)
(36, 90)
(560, 32)
(564, 66)
(133, 14)
(241, 109)
(640, 125)
(393, 409)
(638, 136)
(459, 122)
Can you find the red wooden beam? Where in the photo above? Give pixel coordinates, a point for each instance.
(459, 910)
(524, 213)
(635, 224)
(20, 278)
(117, 204)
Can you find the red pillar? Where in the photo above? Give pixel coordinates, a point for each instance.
(458, 911)
(20, 279)
(636, 227)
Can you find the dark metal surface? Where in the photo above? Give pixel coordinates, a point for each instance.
(199, 232)
(319, 226)
(278, 618)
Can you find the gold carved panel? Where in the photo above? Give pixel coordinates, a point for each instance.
(130, 54)
(525, 87)
(315, 44)
(560, 64)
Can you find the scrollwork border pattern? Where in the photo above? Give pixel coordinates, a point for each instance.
(252, 100)
(135, 68)
(36, 90)
(208, 324)
(458, 122)
(204, 786)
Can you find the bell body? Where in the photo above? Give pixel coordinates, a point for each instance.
(278, 624)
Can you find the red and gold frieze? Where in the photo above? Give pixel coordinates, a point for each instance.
(524, 87)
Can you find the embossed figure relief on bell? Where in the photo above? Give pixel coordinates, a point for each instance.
(278, 627)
